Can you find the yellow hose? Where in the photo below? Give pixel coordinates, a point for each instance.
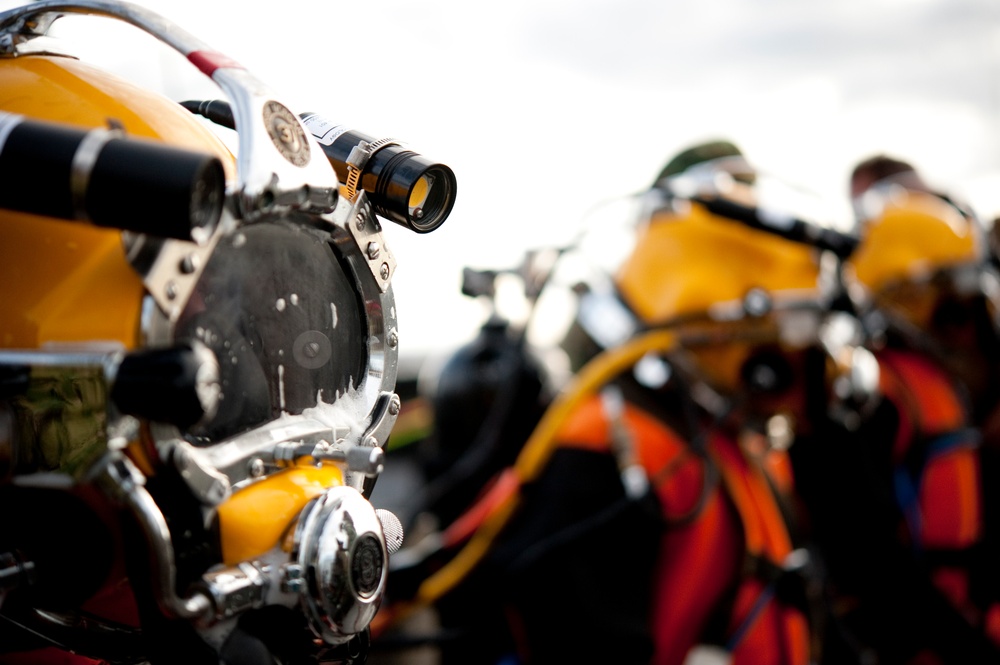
(536, 452)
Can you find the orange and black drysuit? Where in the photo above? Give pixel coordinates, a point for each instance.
(595, 576)
(896, 509)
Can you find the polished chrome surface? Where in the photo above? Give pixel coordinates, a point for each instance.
(340, 545)
(207, 484)
(392, 528)
(360, 220)
(236, 590)
(122, 481)
(170, 269)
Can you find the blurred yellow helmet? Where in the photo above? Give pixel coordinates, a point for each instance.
(731, 287)
(915, 246)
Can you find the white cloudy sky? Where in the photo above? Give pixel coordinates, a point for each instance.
(544, 108)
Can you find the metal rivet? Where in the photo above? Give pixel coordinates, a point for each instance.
(256, 467)
(294, 579)
(757, 302)
(189, 263)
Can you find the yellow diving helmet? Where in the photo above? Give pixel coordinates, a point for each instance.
(753, 294)
(923, 266)
(198, 356)
(725, 283)
(914, 245)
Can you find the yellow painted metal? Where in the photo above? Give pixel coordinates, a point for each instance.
(684, 264)
(915, 235)
(256, 518)
(687, 262)
(63, 281)
(62, 89)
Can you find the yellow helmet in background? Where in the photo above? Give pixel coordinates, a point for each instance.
(689, 262)
(747, 291)
(915, 247)
(923, 265)
(724, 282)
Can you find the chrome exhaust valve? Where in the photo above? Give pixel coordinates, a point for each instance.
(341, 547)
(336, 572)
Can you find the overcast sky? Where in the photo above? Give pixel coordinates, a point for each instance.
(544, 108)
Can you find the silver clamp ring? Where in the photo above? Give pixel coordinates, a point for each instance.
(84, 160)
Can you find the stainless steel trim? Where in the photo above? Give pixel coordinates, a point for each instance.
(364, 227)
(329, 534)
(123, 482)
(84, 160)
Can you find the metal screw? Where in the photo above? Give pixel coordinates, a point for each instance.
(384, 271)
(394, 406)
(373, 250)
(311, 350)
(393, 339)
(217, 492)
(256, 467)
(189, 264)
(359, 221)
(171, 290)
(757, 302)
(294, 579)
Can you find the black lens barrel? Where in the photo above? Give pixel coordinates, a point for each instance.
(104, 178)
(390, 176)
